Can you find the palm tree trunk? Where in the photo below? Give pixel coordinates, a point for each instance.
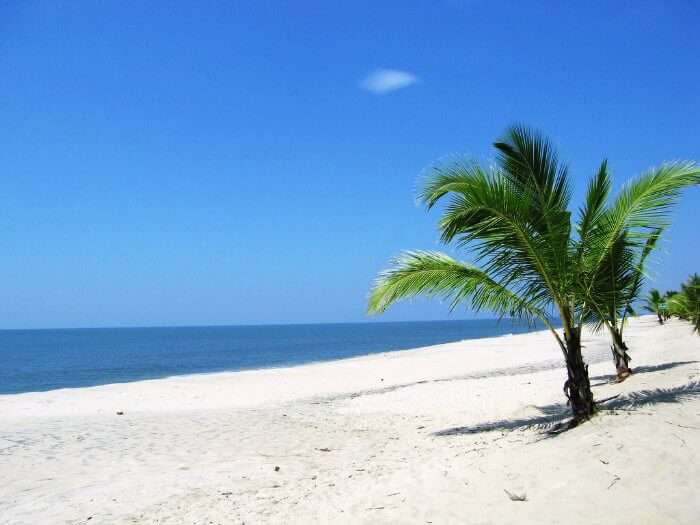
(577, 387)
(661, 319)
(620, 355)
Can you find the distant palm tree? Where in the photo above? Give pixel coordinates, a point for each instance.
(686, 303)
(654, 303)
(667, 297)
(515, 215)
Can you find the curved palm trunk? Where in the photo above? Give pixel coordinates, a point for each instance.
(661, 319)
(577, 387)
(620, 355)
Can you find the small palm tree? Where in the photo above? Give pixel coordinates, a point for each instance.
(515, 215)
(686, 303)
(667, 298)
(615, 289)
(654, 303)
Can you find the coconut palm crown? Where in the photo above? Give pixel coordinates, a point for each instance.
(532, 263)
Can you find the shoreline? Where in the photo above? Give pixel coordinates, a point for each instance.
(430, 434)
(175, 383)
(265, 368)
(242, 360)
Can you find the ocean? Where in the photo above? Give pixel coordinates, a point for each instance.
(39, 360)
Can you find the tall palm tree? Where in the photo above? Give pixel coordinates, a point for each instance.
(515, 216)
(654, 303)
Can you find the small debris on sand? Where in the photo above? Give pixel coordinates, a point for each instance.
(515, 497)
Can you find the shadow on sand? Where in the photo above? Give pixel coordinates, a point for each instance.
(608, 378)
(555, 417)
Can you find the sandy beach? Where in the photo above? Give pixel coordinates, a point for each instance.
(445, 434)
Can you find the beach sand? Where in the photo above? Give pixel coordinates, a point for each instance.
(435, 435)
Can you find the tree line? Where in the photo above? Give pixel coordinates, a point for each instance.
(683, 305)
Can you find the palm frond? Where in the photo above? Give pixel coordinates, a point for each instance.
(456, 176)
(686, 303)
(435, 274)
(653, 301)
(531, 162)
(638, 281)
(484, 212)
(595, 204)
(641, 207)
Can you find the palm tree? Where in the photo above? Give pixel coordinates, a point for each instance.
(515, 216)
(667, 298)
(615, 289)
(654, 303)
(686, 303)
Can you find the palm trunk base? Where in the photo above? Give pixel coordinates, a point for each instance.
(621, 358)
(578, 386)
(623, 371)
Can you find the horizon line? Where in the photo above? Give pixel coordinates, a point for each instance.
(128, 327)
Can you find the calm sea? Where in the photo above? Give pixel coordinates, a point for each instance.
(36, 360)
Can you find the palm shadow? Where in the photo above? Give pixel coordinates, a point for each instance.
(553, 416)
(645, 398)
(556, 418)
(608, 378)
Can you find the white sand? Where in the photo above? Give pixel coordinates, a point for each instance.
(368, 440)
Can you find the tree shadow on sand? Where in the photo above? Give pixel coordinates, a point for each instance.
(555, 418)
(608, 378)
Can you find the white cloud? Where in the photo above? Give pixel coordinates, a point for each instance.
(384, 81)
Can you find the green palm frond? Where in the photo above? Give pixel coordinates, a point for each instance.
(639, 273)
(449, 177)
(537, 178)
(686, 303)
(435, 274)
(618, 281)
(610, 285)
(641, 208)
(653, 301)
(531, 162)
(485, 212)
(595, 204)
(678, 305)
(639, 214)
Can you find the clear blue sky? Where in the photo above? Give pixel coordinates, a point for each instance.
(223, 162)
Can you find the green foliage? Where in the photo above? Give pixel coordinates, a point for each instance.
(436, 274)
(686, 303)
(618, 282)
(531, 262)
(654, 302)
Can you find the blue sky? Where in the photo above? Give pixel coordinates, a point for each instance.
(225, 162)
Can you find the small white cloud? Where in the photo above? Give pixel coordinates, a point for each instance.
(384, 81)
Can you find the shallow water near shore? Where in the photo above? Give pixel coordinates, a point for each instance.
(39, 360)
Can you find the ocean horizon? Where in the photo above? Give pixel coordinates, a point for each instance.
(47, 359)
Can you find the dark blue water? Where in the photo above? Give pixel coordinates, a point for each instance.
(36, 360)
